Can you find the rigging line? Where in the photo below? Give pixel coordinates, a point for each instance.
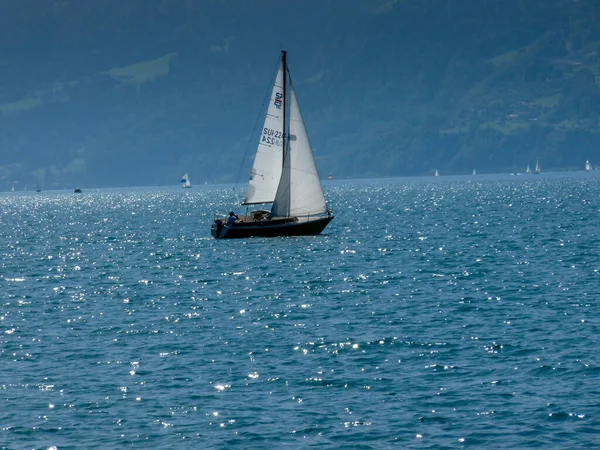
(305, 171)
(267, 94)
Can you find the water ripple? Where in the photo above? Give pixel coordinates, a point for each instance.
(430, 314)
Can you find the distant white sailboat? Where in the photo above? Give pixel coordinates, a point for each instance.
(537, 167)
(588, 165)
(437, 174)
(474, 172)
(185, 181)
(528, 170)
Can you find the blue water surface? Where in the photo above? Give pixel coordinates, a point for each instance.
(448, 312)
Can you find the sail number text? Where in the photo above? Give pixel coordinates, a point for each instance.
(271, 137)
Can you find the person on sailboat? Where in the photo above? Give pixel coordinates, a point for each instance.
(232, 218)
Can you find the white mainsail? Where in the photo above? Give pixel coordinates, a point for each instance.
(299, 192)
(268, 162)
(588, 166)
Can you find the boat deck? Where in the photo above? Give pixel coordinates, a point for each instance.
(247, 226)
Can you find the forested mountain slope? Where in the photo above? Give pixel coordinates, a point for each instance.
(113, 93)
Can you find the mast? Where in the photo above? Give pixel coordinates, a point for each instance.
(284, 62)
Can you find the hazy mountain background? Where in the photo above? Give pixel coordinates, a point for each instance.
(136, 92)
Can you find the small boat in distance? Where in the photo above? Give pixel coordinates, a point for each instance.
(38, 188)
(77, 190)
(537, 167)
(185, 181)
(474, 172)
(284, 175)
(528, 170)
(588, 165)
(437, 174)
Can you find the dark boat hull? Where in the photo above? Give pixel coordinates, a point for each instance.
(269, 228)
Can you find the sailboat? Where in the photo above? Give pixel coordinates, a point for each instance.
(528, 170)
(588, 166)
(436, 173)
(185, 181)
(474, 172)
(38, 189)
(537, 167)
(284, 175)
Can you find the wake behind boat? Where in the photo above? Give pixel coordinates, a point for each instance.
(284, 175)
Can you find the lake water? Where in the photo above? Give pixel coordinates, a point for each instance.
(449, 312)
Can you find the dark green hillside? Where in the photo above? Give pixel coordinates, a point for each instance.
(492, 85)
(115, 93)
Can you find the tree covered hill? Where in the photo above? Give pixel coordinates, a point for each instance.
(112, 93)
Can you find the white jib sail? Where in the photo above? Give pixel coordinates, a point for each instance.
(299, 193)
(266, 170)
